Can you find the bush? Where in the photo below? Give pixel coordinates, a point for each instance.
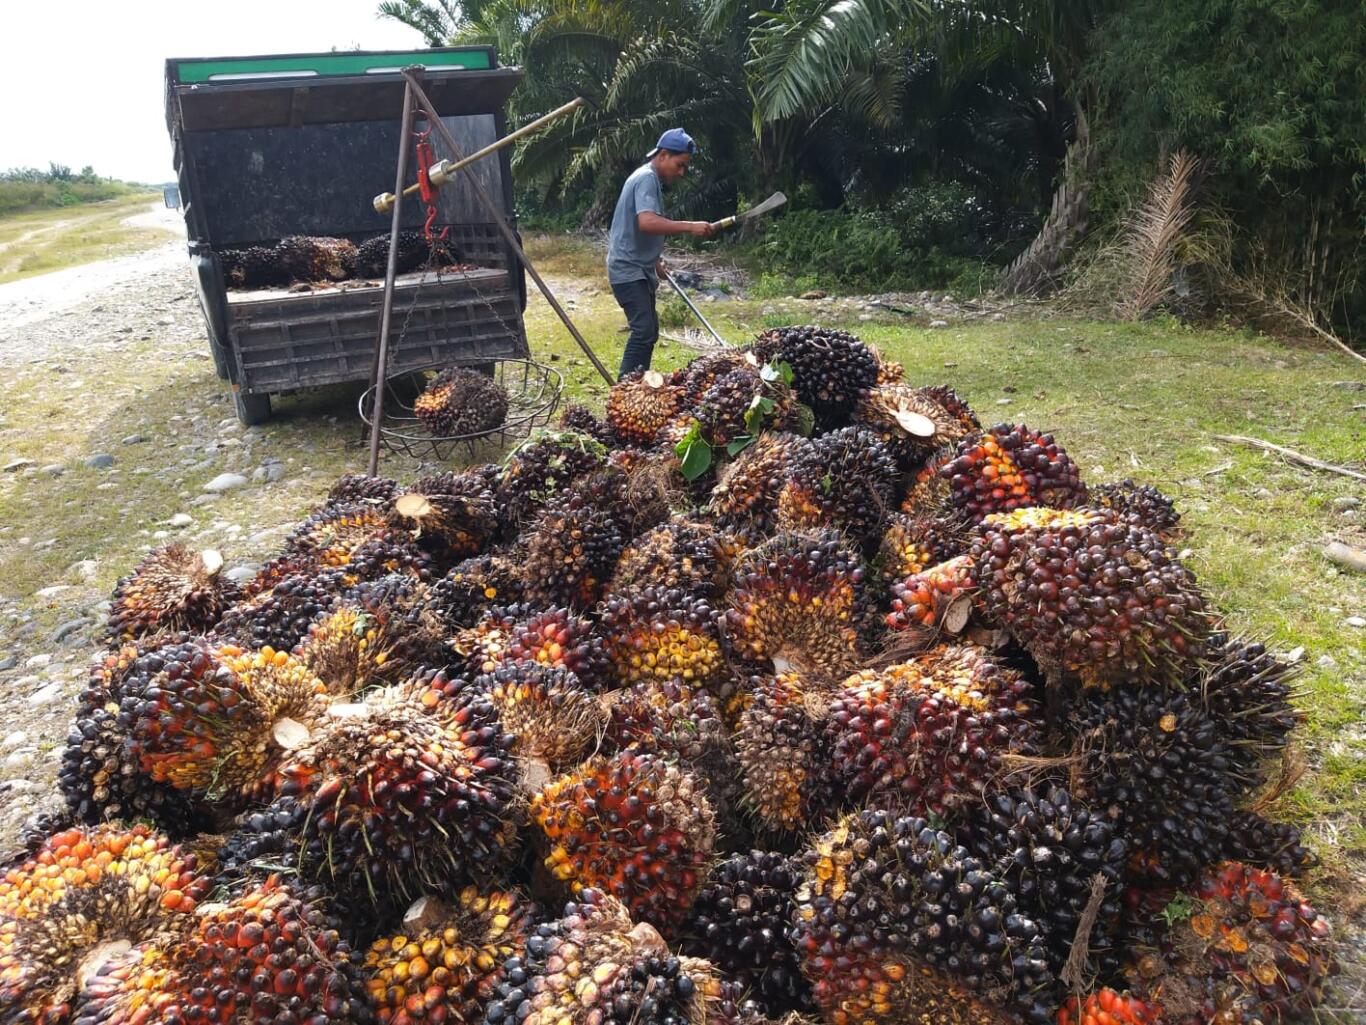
(859, 250)
(23, 189)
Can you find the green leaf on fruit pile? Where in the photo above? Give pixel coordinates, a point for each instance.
(759, 409)
(806, 420)
(694, 452)
(737, 445)
(1182, 906)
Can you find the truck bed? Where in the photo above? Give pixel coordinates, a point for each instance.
(411, 279)
(284, 340)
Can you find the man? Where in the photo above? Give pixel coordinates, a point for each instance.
(636, 241)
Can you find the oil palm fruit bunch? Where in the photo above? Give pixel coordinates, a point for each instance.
(215, 719)
(595, 966)
(541, 467)
(740, 923)
(1251, 950)
(1141, 503)
(783, 751)
(703, 372)
(894, 923)
(253, 267)
(889, 371)
(410, 790)
(844, 480)
(747, 488)
(912, 543)
(910, 422)
(681, 553)
(268, 954)
(361, 487)
(471, 588)
(578, 417)
(232, 262)
(633, 826)
(640, 405)
(332, 535)
(461, 401)
(1246, 691)
(1012, 467)
(554, 638)
(1053, 848)
(100, 778)
(85, 895)
(447, 962)
(172, 590)
(1088, 593)
(1152, 760)
(452, 515)
(797, 601)
(1105, 1006)
(567, 555)
(938, 597)
(721, 409)
(830, 369)
(552, 719)
(316, 258)
(929, 735)
(929, 492)
(679, 722)
(403, 605)
(280, 617)
(660, 634)
(351, 650)
(1259, 842)
(372, 255)
(955, 404)
(636, 492)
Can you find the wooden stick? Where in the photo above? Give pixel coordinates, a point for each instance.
(1290, 455)
(442, 171)
(508, 236)
(390, 273)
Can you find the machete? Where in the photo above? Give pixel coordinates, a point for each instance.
(771, 203)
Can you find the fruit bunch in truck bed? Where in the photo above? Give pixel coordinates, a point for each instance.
(785, 692)
(320, 259)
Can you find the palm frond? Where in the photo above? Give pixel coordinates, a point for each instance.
(1154, 234)
(803, 53)
(437, 20)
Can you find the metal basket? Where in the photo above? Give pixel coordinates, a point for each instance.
(533, 391)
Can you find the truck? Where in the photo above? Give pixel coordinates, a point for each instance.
(269, 147)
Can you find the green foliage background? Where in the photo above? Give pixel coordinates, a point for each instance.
(921, 141)
(23, 189)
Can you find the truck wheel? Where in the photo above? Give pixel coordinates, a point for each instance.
(251, 409)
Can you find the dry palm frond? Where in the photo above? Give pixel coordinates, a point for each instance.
(1155, 235)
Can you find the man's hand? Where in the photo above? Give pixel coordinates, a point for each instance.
(700, 229)
(660, 268)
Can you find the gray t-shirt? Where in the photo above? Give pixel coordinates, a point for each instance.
(632, 254)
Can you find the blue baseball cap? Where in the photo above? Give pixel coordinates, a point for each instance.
(676, 140)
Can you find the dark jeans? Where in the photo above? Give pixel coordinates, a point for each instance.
(637, 298)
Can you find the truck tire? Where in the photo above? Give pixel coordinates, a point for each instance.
(251, 409)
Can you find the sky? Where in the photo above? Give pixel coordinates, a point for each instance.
(81, 82)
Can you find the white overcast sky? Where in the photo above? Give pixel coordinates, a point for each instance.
(81, 80)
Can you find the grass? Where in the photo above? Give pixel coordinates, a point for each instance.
(48, 240)
(1127, 400)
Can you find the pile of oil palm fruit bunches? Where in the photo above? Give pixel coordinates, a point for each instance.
(881, 716)
(323, 258)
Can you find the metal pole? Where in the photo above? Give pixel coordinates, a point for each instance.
(705, 322)
(442, 171)
(390, 272)
(508, 235)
